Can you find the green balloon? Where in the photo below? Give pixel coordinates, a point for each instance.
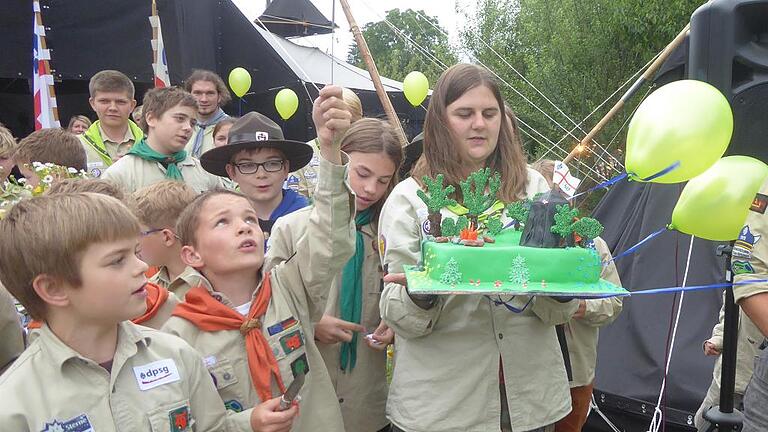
(687, 121)
(714, 205)
(239, 81)
(286, 103)
(415, 87)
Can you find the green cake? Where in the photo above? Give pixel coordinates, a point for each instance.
(545, 250)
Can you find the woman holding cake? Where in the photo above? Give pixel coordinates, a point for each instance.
(350, 335)
(464, 363)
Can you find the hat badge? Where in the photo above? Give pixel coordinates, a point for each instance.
(262, 136)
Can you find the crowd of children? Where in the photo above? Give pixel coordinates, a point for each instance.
(210, 264)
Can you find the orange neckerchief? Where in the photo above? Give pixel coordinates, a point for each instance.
(207, 314)
(151, 271)
(156, 297)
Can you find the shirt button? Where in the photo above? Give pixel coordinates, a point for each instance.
(501, 336)
(341, 400)
(227, 376)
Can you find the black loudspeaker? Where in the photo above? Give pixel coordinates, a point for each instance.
(729, 49)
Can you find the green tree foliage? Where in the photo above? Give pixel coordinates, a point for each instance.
(576, 53)
(587, 228)
(493, 225)
(395, 56)
(476, 200)
(451, 274)
(519, 211)
(436, 196)
(564, 220)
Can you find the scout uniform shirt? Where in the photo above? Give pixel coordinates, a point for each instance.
(184, 282)
(11, 334)
(157, 383)
(749, 259)
(132, 173)
(101, 151)
(362, 392)
(304, 180)
(446, 375)
(582, 334)
(299, 292)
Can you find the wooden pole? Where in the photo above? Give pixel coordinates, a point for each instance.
(646, 77)
(374, 72)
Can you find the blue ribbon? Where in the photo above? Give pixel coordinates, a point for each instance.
(603, 185)
(650, 237)
(695, 287)
(509, 307)
(666, 170)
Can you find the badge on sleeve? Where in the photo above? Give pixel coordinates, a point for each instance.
(382, 244)
(745, 244)
(179, 419)
(742, 267)
(759, 204)
(77, 424)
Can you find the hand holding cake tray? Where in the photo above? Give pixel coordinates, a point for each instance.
(531, 247)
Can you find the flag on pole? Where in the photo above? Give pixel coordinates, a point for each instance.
(160, 65)
(46, 112)
(563, 178)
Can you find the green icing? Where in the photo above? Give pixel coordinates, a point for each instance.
(493, 262)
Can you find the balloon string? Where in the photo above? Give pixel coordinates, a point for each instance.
(637, 246)
(604, 184)
(671, 290)
(240, 108)
(665, 171)
(509, 307)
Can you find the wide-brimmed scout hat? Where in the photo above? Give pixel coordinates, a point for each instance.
(253, 131)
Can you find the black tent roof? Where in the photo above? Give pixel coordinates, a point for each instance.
(294, 18)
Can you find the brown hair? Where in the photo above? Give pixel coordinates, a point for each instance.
(7, 142)
(545, 167)
(206, 75)
(80, 118)
(187, 224)
(160, 204)
(111, 81)
(159, 100)
(441, 155)
(99, 186)
(224, 122)
(370, 135)
(55, 145)
(49, 234)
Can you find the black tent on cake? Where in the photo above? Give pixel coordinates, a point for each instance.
(86, 37)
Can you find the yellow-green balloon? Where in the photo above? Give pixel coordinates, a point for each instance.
(688, 121)
(714, 205)
(415, 87)
(286, 103)
(239, 81)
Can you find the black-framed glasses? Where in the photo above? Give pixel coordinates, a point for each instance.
(273, 165)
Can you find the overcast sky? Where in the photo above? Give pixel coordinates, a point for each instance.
(364, 11)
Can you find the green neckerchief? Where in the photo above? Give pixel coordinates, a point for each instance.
(351, 296)
(93, 137)
(460, 210)
(144, 151)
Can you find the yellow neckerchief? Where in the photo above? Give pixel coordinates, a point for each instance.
(460, 210)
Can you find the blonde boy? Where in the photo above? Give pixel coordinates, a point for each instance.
(255, 328)
(56, 146)
(69, 259)
(158, 207)
(113, 134)
(7, 148)
(169, 115)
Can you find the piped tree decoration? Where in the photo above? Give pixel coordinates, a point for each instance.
(564, 220)
(493, 226)
(519, 211)
(587, 228)
(452, 227)
(436, 197)
(519, 273)
(451, 275)
(473, 189)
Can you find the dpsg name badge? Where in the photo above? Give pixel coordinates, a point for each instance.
(156, 374)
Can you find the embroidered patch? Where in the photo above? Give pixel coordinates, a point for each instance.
(155, 374)
(179, 419)
(759, 204)
(292, 181)
(96, 172)
(425, 226)
(382, 245)
(291, 342)
(743, 246)
(300, 366)
(282, 326)
(209, 361)
(77, 424)
(742, 267)
(233, 405)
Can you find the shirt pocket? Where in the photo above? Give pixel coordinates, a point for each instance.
(175, 417)
(223, 373)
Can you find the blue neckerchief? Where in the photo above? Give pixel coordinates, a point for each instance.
(198, 145)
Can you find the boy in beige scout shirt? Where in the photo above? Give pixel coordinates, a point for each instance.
(113, 134)
(69, 259)
(169, 114)
(158, 207)
(255, 328)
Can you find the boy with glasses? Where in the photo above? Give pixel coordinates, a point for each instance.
(258, 159)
